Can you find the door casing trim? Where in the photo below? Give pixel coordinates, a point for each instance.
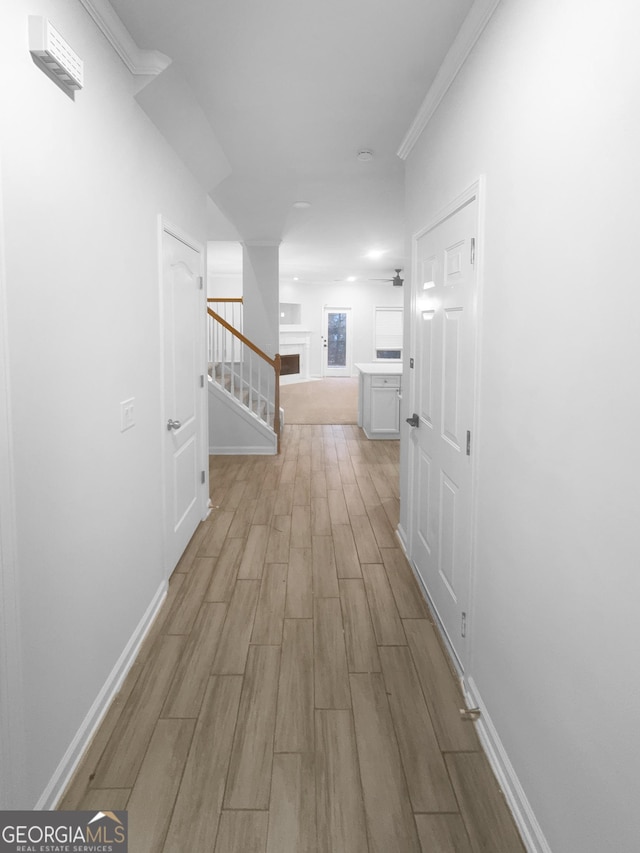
(337, 309)
(165, 226)
(12, 736)
(475, 191)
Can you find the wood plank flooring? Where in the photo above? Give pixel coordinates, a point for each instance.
(293, 695)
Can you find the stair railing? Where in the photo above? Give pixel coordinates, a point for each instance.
(243, 370)
(230, 309)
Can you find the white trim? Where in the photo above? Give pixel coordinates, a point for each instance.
(205, 499)
(525, 819)
(464, 198)
(257, 450)
(472, 27)
(72, 757)
(520, 807)
(475, 191)
(506, 776)
(185, 238)
(401, 536)
(167, 227)
(492, 746)
(137, 60)
(348, 369)
(181, 235)
(12, 738)
(480, 189)
(451, 652)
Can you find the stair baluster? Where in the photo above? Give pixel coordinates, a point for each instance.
(242, 369)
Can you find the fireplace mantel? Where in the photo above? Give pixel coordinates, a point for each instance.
(296, 340)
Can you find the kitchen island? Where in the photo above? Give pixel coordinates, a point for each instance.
(379, 399)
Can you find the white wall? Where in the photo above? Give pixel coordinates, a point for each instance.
(235, 431)
(83, 184)
(547, 108)
(224, 269)
(260, 276)
(362, 298)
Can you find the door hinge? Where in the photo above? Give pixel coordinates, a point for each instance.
(463, 624)
(202, 380)
(473, 250)
(200, 282)
(202, 477)
(468, 442)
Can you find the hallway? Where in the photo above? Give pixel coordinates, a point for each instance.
(292, 695)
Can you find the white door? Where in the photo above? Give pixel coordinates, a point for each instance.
(183, 313)
(443, 394)
(336, 342)
(13, 760)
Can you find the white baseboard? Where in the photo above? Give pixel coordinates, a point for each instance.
(401, 536)
(66, 768)
(243, 451)
(530, 829)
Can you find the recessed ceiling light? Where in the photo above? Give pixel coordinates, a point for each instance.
(295, 278)
(365, 155)
(302, 205)
(351, 278)
(374, 254)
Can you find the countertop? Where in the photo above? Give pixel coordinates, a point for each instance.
(380, 368)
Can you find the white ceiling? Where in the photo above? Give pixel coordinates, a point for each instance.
(292, 90)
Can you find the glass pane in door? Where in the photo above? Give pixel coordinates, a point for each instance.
(337, 339)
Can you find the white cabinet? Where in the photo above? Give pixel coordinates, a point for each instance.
(379, 400)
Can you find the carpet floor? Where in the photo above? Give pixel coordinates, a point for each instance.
(321, 401)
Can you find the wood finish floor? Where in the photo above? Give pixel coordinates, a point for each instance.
(292, 695)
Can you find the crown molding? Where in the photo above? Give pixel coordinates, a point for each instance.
(479, 16)
(137, 60)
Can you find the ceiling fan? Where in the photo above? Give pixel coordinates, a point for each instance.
(396, 280)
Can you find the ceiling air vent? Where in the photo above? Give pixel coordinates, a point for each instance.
(48, 46)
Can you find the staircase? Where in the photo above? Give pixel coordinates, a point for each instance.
(244, 386)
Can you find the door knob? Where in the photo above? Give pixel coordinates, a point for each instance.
(414, 420)
(173, 424)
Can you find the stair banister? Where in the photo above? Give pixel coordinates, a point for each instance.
(234, 303)
(274, 363)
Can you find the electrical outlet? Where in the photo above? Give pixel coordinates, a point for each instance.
(126, 414)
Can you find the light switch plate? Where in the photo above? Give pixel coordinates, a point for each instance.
(126, 414)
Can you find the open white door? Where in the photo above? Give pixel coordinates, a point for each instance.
(443, 403)
(185, 469)
(336, 342)
(12, 740)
